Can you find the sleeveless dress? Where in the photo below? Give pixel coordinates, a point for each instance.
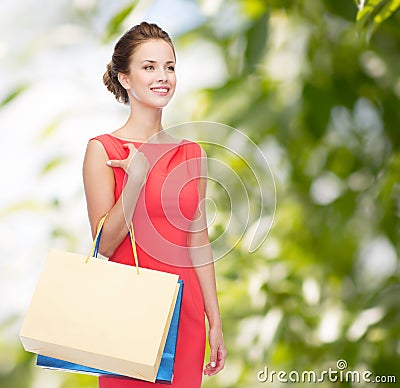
(165, 208)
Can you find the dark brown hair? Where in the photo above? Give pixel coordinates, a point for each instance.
(123, 51)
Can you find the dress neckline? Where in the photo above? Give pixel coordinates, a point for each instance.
(143, 142)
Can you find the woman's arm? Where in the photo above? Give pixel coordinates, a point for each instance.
(202, 259)
(99, 184)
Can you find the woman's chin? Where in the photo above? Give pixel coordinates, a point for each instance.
(158, 103)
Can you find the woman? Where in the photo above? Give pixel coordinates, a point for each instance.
(140, 173)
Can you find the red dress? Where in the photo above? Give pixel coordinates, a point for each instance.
(163, 213)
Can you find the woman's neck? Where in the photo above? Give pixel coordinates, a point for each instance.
(143, 123)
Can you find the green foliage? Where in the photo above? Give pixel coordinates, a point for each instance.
(334, 120)
(13, 95)
(49, 129)
(53, 164)
(114, 25)
(256, 42)
(373, 12)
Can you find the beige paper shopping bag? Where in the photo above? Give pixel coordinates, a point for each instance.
(100, 314)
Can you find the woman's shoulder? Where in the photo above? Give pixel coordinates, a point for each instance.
(106, 142)
(102, 138)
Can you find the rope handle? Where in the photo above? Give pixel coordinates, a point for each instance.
(96, 242)
(133, 243)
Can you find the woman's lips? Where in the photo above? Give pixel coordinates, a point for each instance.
(161, 91)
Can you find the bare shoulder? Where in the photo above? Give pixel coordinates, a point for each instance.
(94, 163)
(95, 149)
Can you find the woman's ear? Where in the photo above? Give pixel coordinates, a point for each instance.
(123, 80)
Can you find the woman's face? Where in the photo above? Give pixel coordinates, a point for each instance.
(152, 79)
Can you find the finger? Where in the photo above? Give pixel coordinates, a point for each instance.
(220, 366)
(213, 357)
(209, 370)
(216, 370)
(213, 371)
(114, 163)
(222, 353)
(131, 147)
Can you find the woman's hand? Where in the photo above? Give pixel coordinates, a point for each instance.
(218, 352)
(136, 165)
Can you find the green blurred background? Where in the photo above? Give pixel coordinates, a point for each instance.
(315, 84)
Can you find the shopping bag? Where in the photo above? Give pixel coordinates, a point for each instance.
(101, 314)
(165, 371)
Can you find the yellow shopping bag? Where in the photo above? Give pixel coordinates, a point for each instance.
(101, 314)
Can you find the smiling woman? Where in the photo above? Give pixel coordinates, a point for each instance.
(157, 182)
(155, 75)
(124, 49)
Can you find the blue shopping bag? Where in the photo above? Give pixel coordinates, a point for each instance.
(165, 372)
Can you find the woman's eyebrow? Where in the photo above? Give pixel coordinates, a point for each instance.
(153, 61)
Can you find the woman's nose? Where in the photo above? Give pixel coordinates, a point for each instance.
(162, 75)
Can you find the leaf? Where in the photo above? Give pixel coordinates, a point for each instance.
(23, 205)
(52, 164)
(254, 8)
(49, 129)
(390, 8)
(373, 12)
(367, 7)
(13, 95)
(114, 24)
(256, 42)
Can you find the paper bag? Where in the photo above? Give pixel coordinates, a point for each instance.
(101, 314)
(165, 371)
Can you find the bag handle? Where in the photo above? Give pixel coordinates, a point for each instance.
(96, 242)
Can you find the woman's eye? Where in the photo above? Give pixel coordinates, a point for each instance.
(171, 68)
(150, 67)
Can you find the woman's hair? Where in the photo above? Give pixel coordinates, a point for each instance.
(123, 51)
